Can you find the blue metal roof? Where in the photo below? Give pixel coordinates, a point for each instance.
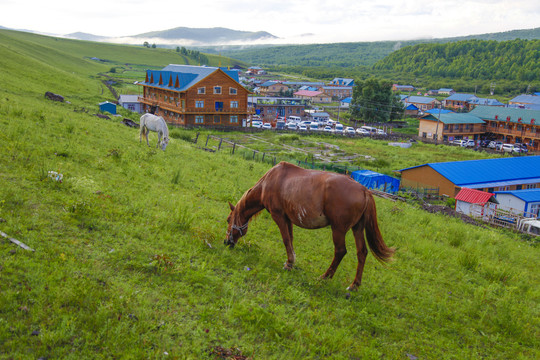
(484, 101)
(420, 99)
(489, 172)
(462, 97)
(530, 195)
(436, 111)
(527, 99)
(185, 76)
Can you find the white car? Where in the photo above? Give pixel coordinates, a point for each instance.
(338, 129)
(507, 147)
(459, 142)
(257, 124)
(349, 130)
(302, 127)
(327, 129)
(361, 131)
(291, 126)
(381, 132)
(267, 126)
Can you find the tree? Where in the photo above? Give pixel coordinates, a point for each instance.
(373, 100)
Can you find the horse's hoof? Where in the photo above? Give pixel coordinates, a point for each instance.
(287, 266)
(352, 288)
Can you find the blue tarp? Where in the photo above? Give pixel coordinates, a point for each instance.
(376, 181)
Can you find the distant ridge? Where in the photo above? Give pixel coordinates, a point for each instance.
(217, 35)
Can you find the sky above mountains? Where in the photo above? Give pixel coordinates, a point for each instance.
(293, 21)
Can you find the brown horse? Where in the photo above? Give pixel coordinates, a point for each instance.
(313, 199)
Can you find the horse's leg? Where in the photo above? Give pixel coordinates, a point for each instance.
(285, 228)
(158, 138)
(361, 254)
(338, 236)
(146, 131)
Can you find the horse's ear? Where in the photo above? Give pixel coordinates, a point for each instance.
(231, 206)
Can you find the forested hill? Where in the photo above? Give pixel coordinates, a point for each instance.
(510, 60)
(347, 55)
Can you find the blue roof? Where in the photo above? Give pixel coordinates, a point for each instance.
(485, 173)
(445, 90)
(268, 83)
(435, 111)
(347, 100)
(462, 97)
(185, 76)
(343, 81)
(411, 107)
(530, 195)
(420, 99)
(527, 99)
(484, 101)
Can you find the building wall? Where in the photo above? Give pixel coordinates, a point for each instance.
(510, 202)
(424, 177)
(427, 127)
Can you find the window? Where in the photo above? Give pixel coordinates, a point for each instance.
(234, 104)
(530, 186)
(199, 103)
(217, 89)
(199, 119)
(233, 91)
(233, 119)
(201, 90)
(535, 209)
(217, 119)
(504, 188)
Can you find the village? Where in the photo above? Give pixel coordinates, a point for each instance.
(199, 96)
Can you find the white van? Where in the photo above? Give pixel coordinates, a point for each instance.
(370, 129)
(295, 119)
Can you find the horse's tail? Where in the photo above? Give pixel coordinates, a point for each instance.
(380, 250)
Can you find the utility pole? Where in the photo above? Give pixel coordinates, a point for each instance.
(437, 127)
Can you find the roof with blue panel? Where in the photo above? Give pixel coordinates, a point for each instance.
(530, 195)
(484, 101)
(182, 77)
(485, 173)
(436, 111)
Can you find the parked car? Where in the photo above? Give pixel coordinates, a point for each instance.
(507, 148)
(349, 130)
(314, 126)
(381, 132)
(302, 127)
(362, 131)
(280, 125)
(484, 143)
(459, 142)
(257, 124)
(328, 129)
(470, 143)
(291, 126)
(520, 149)
(267, 126)
(338, 129)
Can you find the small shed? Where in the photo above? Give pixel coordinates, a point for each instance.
(107, 107)
(376, 181)
(526, 202)
(130, 102)
(476, 203)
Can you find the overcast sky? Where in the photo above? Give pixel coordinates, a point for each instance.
(294, 21)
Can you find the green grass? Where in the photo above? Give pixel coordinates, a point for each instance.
(129, 259)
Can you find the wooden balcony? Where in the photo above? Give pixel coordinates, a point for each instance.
(179, 110)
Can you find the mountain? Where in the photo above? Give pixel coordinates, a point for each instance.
(216, 35)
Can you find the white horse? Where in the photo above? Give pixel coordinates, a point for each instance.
(150, 122)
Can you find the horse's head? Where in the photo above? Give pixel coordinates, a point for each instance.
(164, 143)
(236, 227)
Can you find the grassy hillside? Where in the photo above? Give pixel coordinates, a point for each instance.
(129, 260)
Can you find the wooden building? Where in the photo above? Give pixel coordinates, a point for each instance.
(489, 175)
(511, 125)
(196, 95)
(450, 126)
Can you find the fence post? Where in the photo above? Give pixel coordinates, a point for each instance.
(263, 157)
(274, 161)
(233, 147)
(196, 138)
(220, 141)
(207, 138)
(253, 155)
